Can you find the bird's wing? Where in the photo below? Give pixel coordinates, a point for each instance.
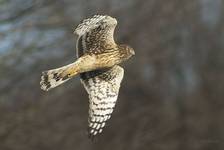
(103, 88)
(101, 85)
(96, 33)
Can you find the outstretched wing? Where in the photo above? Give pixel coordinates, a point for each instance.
(103, 88)
(96, 33)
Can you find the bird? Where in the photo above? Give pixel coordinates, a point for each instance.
(98, 66)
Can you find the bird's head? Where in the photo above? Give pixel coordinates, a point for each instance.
(126, 51)
(130, 50)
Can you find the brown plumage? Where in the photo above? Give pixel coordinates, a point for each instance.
(97, 63)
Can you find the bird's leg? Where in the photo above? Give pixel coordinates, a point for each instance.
(83, 64)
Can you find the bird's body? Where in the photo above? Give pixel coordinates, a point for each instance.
(97, 63)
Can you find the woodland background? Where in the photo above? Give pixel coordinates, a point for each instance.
(172, 95)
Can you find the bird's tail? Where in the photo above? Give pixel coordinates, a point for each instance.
(56, 77)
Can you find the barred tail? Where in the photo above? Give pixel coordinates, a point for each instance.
(55, 77)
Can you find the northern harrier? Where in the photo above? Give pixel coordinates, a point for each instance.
(97, 63)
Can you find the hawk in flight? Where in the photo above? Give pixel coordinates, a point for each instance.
(97, 62)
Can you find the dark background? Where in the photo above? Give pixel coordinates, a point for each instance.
(172, 95)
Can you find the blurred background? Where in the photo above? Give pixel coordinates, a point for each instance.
(172, 95)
